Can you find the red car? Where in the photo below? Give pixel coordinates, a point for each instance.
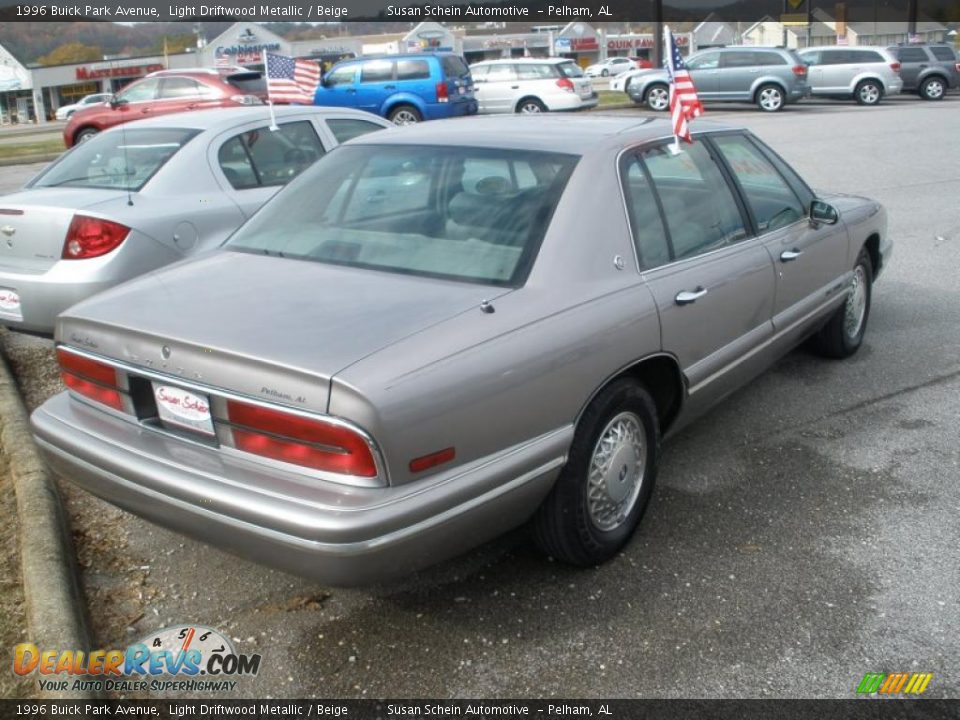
(167, 91)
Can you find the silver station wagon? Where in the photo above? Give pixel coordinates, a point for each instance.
(441, 332)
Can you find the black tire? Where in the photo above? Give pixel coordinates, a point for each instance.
(868, 92)
(933, 88)
(770, 98)
(564, 526)
(84, 135)
(530, 106)
(835, 339)
(404, 115)
(657, 97)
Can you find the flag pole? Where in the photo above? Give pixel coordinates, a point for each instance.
(668, 59)
(273, 118)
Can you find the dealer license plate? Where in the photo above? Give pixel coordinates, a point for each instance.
(183, 409)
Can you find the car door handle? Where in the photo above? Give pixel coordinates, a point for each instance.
(514, 87)
(923, 65)
(790, 255)
(389, 87)
(690, 296)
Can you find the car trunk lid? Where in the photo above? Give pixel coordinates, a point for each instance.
(273, 328)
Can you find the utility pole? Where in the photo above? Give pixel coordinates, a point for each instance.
(658, 33)
(911, 19)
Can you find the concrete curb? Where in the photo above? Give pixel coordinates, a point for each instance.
(28, 159)
(55, 609)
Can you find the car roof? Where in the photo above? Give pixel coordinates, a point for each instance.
(524, 61)
(546, 133)
(225, 118)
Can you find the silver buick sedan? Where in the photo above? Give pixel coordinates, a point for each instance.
(146, 194)
(441, 332)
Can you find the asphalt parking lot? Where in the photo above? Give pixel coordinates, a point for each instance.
(802, 534)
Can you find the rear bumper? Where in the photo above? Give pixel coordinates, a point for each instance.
(460, 108)
(570, 101)
(337, 534)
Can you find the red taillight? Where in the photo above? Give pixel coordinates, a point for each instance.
(566, 84)
(800, 70)
(958, 67)
(90, 378)
(895, 66)
(443, 91)
(90, 237)
(302, 441)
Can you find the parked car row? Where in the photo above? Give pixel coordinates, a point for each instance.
(773, 77)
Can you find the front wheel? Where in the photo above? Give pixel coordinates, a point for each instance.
(868, 92)
(843, 334)
(530, 106)
(658, 98)
(770, 98)
(605, 73)
(603, 490)
(405, 115)
(933, 89)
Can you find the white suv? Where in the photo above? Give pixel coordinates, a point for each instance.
(531, 85)
(863, 73)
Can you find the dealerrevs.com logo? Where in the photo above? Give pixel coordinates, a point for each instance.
(902, 683)
(182, 658)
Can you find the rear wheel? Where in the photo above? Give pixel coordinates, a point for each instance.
(529, 106)
(868, 92)
(603, 490)
(933, 88)
(84, 135)
(405, 115)
(842, 336)
(770, 98)
(658, 97)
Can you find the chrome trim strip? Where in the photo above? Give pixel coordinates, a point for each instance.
(351, 480)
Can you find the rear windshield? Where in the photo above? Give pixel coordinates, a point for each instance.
(570, 70)
(468, 214)
(121, 160)
(453, 66)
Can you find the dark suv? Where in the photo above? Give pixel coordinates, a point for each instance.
(164, 92)
(927, 69)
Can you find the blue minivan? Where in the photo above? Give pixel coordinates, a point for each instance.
(402, 88)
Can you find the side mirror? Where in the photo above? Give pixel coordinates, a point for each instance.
(823, 213)
(116, 102)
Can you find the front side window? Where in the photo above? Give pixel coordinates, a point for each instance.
(701, 212)
(140, 91)
(341, 76)
(501, 73)
(772, 202)
(706, 61)
(461, 213)
(261, 157)
(116, 160)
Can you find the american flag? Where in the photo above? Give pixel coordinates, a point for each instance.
(684, 103)
(291, 81)
(223, 61)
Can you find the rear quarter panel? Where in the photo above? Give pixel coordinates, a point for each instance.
(484, 382)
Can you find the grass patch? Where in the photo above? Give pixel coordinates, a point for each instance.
(13, 149)
(609, 97)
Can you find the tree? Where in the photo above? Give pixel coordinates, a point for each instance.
(71, 53)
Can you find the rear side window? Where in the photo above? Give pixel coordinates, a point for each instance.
(258, 158)
(413, 70)
(908, 54)
(344, 129)
(699, 206)
(179, 87)
(535, 72)
(739, 59)
(769, 58)
(123, 161)
(479, 72)
(943, 53)
(501, 73)
(645, 220)
(866, 56)
(453, 66)
(376, 71)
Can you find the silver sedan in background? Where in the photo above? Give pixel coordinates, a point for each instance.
(443, 331)
(149, 193)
